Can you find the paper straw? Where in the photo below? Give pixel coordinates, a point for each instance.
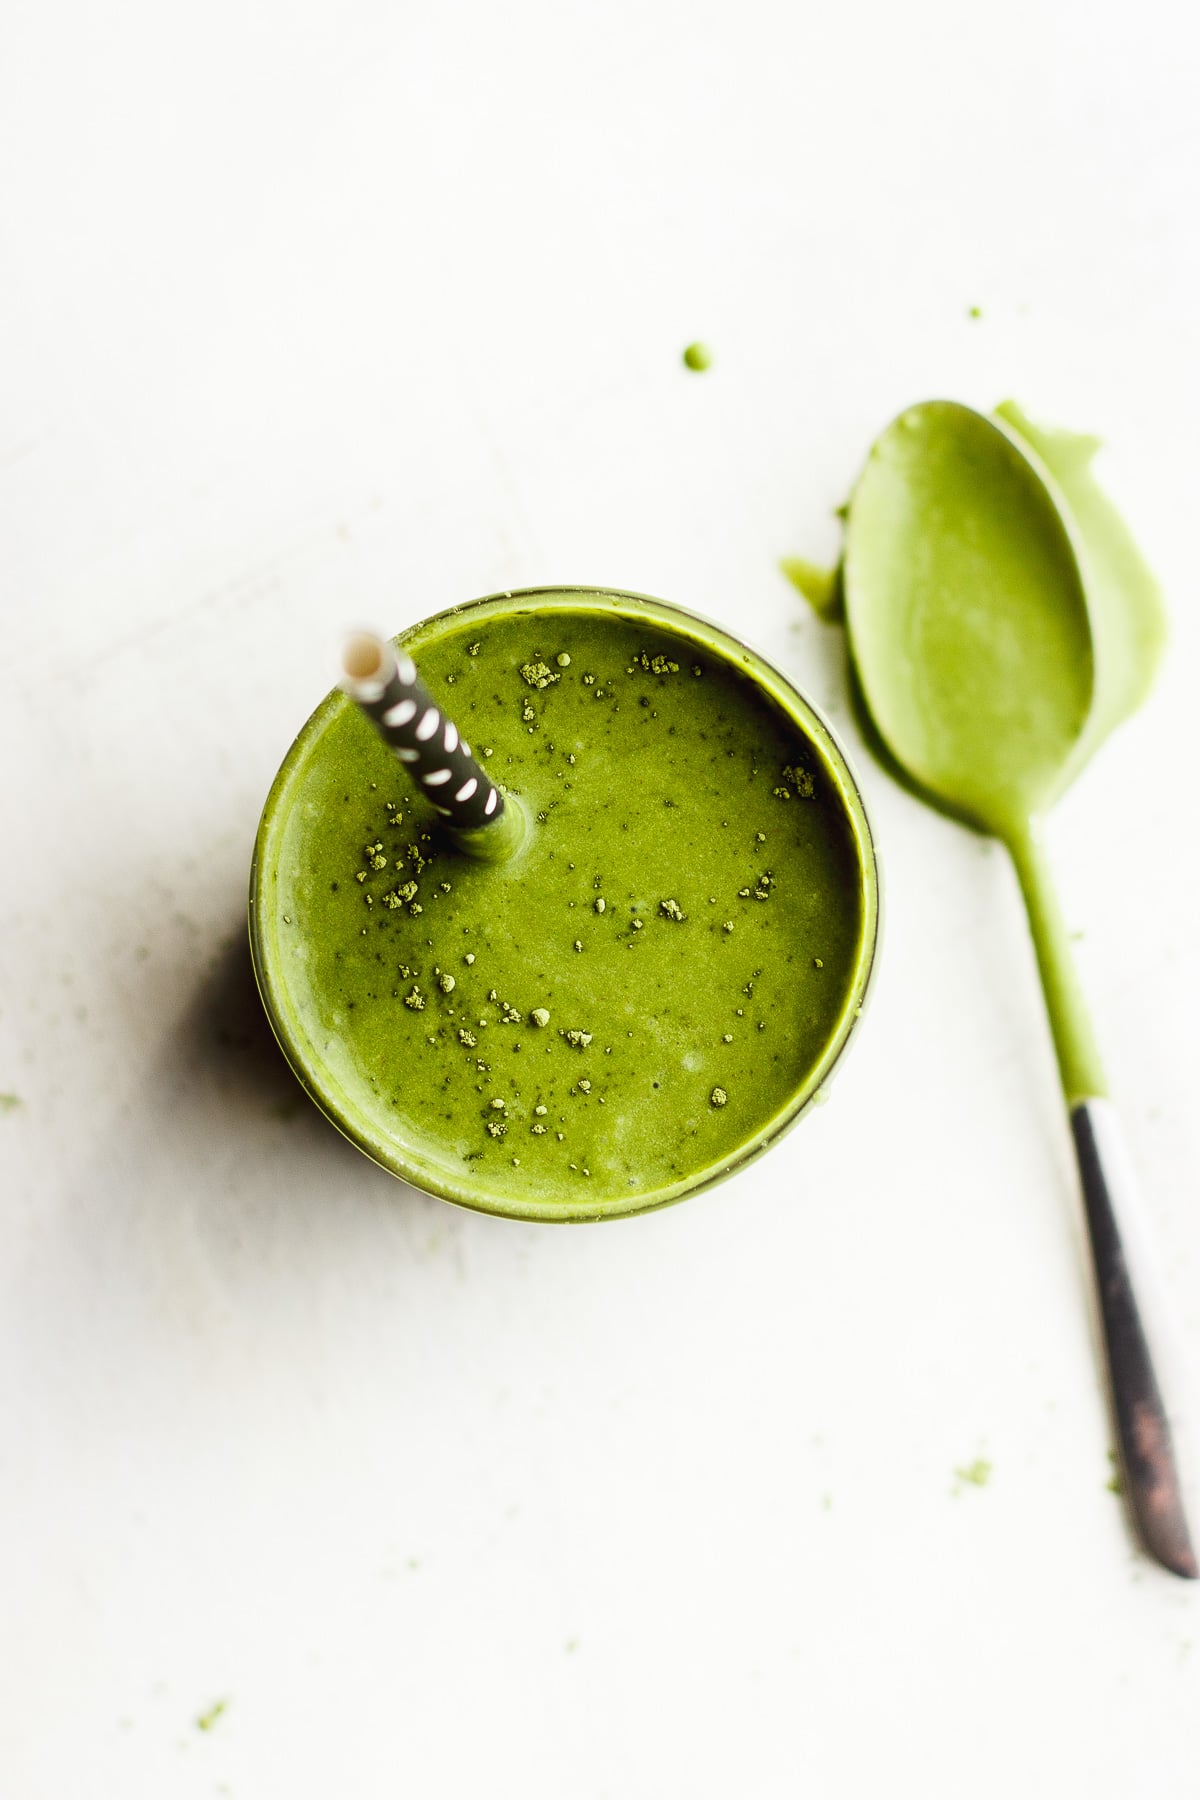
(409, 720)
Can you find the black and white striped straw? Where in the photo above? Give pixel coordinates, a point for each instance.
(386, 685)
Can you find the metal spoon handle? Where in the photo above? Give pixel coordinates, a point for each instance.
(1125, 1280)
(1133, 1309)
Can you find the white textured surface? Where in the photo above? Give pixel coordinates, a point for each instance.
(312, 313)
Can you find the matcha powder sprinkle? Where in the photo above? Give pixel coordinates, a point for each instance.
(538, 674)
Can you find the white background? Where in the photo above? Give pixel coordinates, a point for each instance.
(316, 312)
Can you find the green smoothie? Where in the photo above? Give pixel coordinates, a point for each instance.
(640, 998)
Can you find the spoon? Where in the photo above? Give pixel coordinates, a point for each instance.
(1001, 623)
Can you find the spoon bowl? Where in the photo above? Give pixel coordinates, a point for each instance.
(968, 618)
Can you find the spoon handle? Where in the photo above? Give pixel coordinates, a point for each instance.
(1125, 1284)
(1133, 1311)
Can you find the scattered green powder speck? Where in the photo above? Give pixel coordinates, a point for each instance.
(977, 1473)
(208, 1719)
(697, 357)
(10, 1102)
(653, 665)
(718, 1096)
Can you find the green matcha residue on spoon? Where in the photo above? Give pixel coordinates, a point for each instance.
(1001, 623)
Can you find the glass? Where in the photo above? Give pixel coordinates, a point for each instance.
(280, 951)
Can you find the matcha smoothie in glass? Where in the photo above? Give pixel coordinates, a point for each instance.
(650, 981)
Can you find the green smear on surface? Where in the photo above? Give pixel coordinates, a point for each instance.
(10, 1102)
(208, 1719)
(821, 587)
